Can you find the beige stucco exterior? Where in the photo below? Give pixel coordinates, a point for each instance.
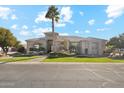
(92, 46)
(84, 46)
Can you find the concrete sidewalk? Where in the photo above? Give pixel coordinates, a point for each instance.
(31, 61)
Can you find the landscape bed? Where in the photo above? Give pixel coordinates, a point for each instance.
(75, 59)
(16, 59)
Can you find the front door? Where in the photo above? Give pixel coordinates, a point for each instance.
(86, 51)
(49, 45)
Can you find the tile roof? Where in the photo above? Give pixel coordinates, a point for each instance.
(34, 39)
(70, 38)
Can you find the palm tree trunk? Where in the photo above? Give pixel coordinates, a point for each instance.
(53, 33)
(53, 25)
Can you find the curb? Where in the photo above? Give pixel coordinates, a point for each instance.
(59, 63)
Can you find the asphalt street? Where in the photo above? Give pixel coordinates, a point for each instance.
(62, 75)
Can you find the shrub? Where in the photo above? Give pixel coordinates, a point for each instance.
(33, 49)
(21, 50)
(41, 49)
(52, 54)
(37, 49)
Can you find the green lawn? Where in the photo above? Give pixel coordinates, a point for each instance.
(73, 59)
(16, 59)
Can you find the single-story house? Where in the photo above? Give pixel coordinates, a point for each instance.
(80, 45)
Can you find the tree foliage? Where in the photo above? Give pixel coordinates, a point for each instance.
(116, 42)
(53, 14)
(21, 49)
(7, 39)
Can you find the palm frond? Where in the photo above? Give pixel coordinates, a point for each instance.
(52, 12)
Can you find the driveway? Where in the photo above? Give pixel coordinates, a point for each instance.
(62, 75)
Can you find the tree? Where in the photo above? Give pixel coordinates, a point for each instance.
(7, 40)
(121, 41)
(114, 42)
(117, 42)
(53, 14)
(21, 49)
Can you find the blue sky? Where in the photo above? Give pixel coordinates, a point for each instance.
(100, 21)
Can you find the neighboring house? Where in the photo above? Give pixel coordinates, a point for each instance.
(80, 45)
(13, 49)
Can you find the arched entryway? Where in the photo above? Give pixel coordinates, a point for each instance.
(49, 45)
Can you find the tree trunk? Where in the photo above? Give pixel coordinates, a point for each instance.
(53, 33)
(52, 25)
(5, 50)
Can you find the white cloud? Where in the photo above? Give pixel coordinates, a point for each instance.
(41, 31)
(6, 13)
(110, 21)
(114, 11)
(76, 31)
(24, 33)
(87, 31)
(81, 13)
(13, 17)
(60, 24)
(24, 27)
(41, 17)
(102, 29)
(91, 22)
(66, 14)
(64, 34)
(14, 26)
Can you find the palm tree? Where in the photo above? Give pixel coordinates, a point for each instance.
(53, 14)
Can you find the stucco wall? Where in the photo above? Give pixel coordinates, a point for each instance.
(94, 47)
(32, 43)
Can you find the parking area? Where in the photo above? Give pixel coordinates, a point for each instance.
(62, 75)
